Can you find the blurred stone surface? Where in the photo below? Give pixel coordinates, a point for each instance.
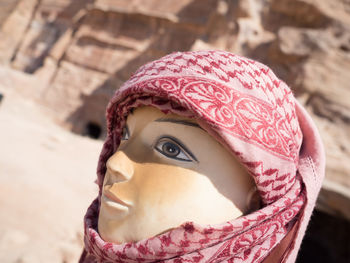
(44, 188)
(83, 50)
(7, 7)
(16, 16)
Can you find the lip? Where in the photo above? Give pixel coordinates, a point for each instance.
(108, 203)
(114, 201)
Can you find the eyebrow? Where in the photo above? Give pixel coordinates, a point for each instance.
(183, 122)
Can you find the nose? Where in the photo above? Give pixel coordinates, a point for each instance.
(119, 168)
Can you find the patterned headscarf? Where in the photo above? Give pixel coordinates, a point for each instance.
(244, 106)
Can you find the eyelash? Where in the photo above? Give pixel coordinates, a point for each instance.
(125, 134)
(167, 141)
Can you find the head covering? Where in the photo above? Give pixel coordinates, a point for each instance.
(248, 109)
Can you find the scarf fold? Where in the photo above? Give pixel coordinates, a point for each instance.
(248, 238)
(242, 104)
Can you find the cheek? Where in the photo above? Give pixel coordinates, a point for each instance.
(166, 185)
(174, 195)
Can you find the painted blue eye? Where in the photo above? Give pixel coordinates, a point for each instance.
(171, 148)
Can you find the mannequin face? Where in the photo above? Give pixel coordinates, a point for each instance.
(167, 171)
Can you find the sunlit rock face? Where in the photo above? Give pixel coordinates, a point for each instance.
(83, 50)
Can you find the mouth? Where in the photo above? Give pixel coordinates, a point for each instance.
(113, 201)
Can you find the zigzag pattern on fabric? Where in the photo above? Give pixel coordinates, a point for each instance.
(270, 181)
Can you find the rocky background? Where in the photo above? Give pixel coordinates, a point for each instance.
(69, 56)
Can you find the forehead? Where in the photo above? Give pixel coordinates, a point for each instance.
(146, 114)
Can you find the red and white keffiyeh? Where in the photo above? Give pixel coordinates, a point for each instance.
(247, 108)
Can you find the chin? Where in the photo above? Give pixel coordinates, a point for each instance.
(106, 232)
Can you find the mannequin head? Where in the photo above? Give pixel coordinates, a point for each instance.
(167, 171)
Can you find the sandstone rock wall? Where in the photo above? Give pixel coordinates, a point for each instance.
(85, 49)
